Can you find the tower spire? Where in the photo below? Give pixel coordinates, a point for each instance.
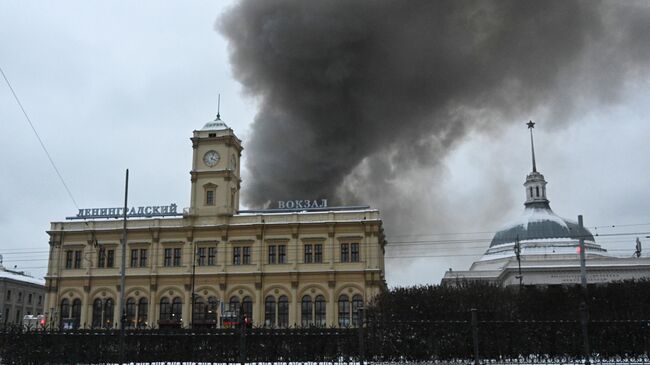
(219, 107)
(531, 125)
(535, 183)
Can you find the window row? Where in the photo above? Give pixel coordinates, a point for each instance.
(105, 258)
(207, 256)
(19, 298)
(313, 312)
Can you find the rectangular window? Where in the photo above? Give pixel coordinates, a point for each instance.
(209, 197)
(177, 257)
(77, 259)
(168, 257)
(40, 300)
(246, 256)
(101, 257)
(345, 252)
(212, 254)
(282, 254)
(318, 253)
(236, 255)
(308, 254)
(143, 257)
(68, 259)
(20, 296)
(8, 294)
(200, 256)
(134, 258)
(29, 298)
(272, 254)
(110, 258)
(354, 252)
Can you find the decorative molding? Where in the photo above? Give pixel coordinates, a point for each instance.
(349, 238)
(242, 241)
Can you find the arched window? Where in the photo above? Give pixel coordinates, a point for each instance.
(234, 303)
(306, 312)
(344, 311)
(97, 313)
(357, 303)
(247, 307)
(143, 312)
(269, 311)
(165, 310)
(283, 311)
(199, 310)
(65, 310)
(319, 311)
(76, 312)
(108, 313)
(177, 309)
(212, 308)
(531, 191)
(537, 189)
(130, 313)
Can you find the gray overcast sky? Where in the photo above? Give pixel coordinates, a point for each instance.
(116, 85)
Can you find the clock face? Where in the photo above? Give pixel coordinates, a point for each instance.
(211, 158)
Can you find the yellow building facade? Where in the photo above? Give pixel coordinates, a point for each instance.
(306, 264)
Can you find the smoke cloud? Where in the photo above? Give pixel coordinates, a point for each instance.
(361, 100)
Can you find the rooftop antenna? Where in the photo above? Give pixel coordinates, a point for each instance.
(531, 125)
(637, 252)
(219, 107)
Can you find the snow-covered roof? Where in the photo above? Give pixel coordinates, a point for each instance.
(540, 222)
(18, 277)
(215, 125)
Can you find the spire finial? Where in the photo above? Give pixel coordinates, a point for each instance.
(219, 107)
(531, 125)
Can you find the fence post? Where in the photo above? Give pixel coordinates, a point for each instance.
(362, 347)
(242, 336)
(475, 335)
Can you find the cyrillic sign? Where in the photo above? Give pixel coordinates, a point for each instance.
(302, 204)
(133, 212)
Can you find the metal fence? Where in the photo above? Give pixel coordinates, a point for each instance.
(462, 342)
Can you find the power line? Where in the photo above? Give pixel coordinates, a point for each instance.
(39, 139)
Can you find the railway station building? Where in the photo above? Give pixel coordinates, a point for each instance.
(305, 264)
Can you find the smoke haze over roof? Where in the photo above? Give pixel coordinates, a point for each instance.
(358, 96)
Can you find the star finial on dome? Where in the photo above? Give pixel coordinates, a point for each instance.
(530, 124)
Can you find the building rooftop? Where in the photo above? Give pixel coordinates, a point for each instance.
(19, 276)
(540, 222)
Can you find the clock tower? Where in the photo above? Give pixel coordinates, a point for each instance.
(215, 171)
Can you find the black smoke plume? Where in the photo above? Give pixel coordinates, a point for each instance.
(360, 100)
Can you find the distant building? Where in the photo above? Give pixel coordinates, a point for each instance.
(20, 295)
(306, 264)
(548, 249)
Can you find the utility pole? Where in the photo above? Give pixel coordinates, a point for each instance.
(122, 310)
(193, 293)
(518, 255)
(584, 309)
